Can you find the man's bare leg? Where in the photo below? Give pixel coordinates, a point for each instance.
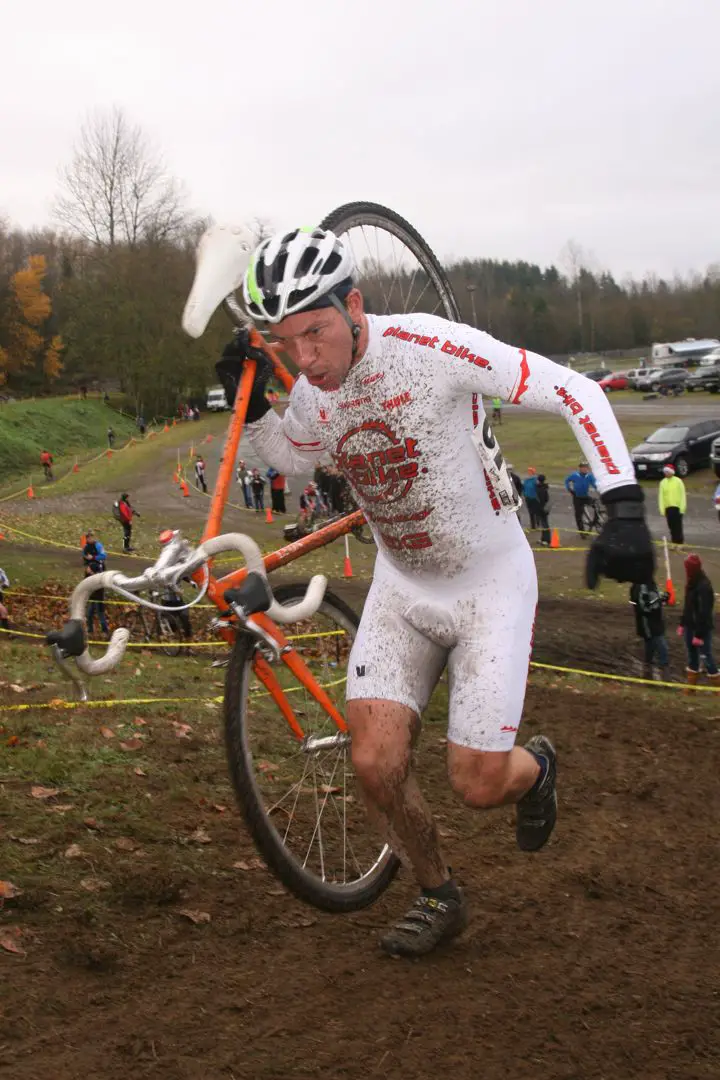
(383, 733)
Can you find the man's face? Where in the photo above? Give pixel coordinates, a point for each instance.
(320, 342)
(584, 470)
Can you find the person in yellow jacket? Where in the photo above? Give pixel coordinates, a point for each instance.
(672, 502)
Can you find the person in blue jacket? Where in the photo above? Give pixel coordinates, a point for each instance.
(580, 484)
(95, 558)
(530, 496)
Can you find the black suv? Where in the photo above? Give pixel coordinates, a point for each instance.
(707, 378)
(686, 446)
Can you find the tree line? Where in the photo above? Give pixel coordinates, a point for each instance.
(97, 300)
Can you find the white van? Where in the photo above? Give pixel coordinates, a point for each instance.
(216, 400)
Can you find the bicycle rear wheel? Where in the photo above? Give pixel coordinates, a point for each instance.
(396, 269)
(169, 634)
(300, 804)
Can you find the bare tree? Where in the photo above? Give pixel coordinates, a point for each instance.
(116, 189)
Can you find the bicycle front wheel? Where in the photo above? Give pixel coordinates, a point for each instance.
(299, 802)
(169, 634)
(396, 270)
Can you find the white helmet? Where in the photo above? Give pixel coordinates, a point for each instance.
(296, 271)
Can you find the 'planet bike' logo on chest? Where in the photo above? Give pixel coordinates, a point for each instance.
(378, 464)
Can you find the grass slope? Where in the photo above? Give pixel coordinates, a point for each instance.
(64, 427)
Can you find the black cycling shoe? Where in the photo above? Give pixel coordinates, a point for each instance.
(427, 924)
(537, 810)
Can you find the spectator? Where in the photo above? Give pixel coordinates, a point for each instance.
(716, 500)
(496, 410)
(94, 558)
(106, 399)
(244, 477)
(200, 482)
(173, 598)
(277, 490)
(141, 426)
(698, 621)
(579, 484)
(110, 437)
(83, 393)
(542, 492)
(46, 460)
(529, 491)
(4, 616)
(257, 484)
(308, 506)
(338, 492)
(672, 502)
(517, 482)
(126, 514)
(650, 626)
(196, 413)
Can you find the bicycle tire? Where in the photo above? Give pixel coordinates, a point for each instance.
(356, 214)
(166, 626)
(337, 898)
(135, 620)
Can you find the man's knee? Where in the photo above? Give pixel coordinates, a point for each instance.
(481, 779)
(382, 737)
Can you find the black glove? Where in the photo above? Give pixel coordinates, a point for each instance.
(229, 369)
(623, 550)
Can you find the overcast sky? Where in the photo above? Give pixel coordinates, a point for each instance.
(499, 128)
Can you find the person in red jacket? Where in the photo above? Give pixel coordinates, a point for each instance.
(127, 513)
(46, 460)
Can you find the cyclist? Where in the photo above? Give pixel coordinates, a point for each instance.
(396, 401)
(580, 484)
(46, 460)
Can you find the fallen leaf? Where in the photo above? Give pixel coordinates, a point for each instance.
(182, 731)
(195, 916)
(41, 744)
(60, 808)
(107, 733)
(38, 792)
(139, 772)
(139, 722)
(17, 688)
(220, 809)
(8, 890)
(124, 843)
(131, 744)
(200, 836)
(23, 839)
(13, 740)
(9, 940)
(326, 789)
(94, 884)
(252, 864)
(74, 852)
(266, 766)
(91, 823)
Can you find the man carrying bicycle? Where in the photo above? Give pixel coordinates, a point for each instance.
(581, 484)
(396, 403)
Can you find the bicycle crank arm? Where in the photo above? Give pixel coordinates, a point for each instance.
(326, 742)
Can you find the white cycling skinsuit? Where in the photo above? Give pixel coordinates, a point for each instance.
(455, 577)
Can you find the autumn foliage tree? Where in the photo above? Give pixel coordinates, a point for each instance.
(27, 309)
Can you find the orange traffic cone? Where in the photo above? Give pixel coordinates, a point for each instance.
(109, 453)
(30, 492)
(208, 438)
(268, 515)
(166, 428)
(83, 540)
(176, 478)
(185, 489)
(76, 467)
(347, 567)
(555, 539)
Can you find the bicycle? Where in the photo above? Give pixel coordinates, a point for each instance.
(593, 516)
(287, 744)
(164, 627)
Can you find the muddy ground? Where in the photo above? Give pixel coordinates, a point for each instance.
(596, 958)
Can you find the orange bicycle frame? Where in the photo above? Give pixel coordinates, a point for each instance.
(218, 586)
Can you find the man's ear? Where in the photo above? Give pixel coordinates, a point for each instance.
(354, 304)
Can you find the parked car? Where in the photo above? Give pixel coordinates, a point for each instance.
(715, 457)
(660, 378)
(642, 379)
(686, 446)
(616, 380)
(710, 359)
(704, 379)
(216, 400)
(633, 375)
(596, 374)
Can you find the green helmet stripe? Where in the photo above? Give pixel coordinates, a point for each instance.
(253, 288)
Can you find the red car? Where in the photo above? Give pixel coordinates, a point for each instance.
(614, 381)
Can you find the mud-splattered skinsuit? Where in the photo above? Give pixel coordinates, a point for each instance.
(454, 579)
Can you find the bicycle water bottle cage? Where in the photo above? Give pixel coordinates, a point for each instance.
(71, 639)
(253, 595)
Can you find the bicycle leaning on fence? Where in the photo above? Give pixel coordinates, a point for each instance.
(287, 745)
